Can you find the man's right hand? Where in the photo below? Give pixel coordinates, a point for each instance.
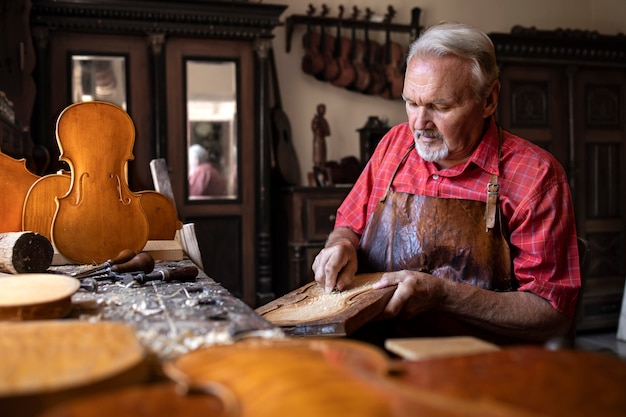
(336, 264)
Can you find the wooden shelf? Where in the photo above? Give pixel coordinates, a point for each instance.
(323, 20)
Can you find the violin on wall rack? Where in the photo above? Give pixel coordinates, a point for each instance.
(357, 63)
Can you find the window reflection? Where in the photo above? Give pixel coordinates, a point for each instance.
(98, 77)
(211, 127)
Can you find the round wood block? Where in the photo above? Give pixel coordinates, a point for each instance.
(36, 296)
(40, 357)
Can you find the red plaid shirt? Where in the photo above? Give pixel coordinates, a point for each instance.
(534, 198)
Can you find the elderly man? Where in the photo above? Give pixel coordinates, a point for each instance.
(475, 226)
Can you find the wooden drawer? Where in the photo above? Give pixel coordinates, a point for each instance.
(320, 214)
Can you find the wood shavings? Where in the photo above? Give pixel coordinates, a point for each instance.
(142, 308)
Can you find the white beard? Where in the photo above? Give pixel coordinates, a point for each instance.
(426, 151)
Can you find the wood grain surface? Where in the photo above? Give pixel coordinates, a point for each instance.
(523, 381)
(39, 205)
(46, 363)
(419, 348)
(99, 216)
(310, 311)
(155, 400)
(304, 377)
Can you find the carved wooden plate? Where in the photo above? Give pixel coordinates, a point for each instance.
(310, 311)
(49, 356)
(36, 296)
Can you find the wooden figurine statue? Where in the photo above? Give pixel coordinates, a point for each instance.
(320, 128)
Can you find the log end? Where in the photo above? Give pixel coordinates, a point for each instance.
(32, 253)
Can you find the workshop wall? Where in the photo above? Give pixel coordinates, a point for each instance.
(348, 111)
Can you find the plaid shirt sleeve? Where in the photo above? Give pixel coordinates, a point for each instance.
(537, 202)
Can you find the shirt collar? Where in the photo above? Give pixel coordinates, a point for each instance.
(486, 155)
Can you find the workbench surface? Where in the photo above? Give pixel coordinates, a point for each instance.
(171, 318)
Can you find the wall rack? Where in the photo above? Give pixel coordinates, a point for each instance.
(323, 20)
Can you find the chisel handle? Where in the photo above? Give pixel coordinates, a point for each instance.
(124, 256)
(183, 273)
(143, 261)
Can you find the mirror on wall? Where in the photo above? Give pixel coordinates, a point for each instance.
(99, 77)
(211, 129)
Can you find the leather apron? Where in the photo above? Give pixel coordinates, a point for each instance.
(459, 240)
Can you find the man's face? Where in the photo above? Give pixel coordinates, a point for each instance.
(443, 112)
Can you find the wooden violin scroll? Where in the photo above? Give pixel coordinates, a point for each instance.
(99, 216)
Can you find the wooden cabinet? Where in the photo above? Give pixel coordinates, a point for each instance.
(12, 139)
(566, 91)
(17, 60)
(303, 220)
(155, 40)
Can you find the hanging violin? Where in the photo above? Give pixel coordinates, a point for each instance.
(312, 61)
(375, 57)
(347, 72)
(327, 49)
(363, 77)
(394, 67)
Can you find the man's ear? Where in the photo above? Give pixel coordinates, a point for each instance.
(491, 101)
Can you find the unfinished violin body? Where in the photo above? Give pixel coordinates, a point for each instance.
(99, 216)
(40, 207)
(15, 180)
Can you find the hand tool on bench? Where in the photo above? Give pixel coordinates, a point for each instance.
(124, 256)
(89, 284)
(142, 262)
(183, 273)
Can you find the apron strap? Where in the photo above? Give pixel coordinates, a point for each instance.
(492, 202)
(493, 189)
(406, 155)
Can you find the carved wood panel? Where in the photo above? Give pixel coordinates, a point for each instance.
(529, 104)
(532, 106)
(600, 137)
(565, 90)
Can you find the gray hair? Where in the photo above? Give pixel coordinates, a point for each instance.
(199, 153)
(466, 42)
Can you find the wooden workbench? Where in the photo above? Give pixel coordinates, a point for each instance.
(315, 376)
(168, 320)
(171, 319)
